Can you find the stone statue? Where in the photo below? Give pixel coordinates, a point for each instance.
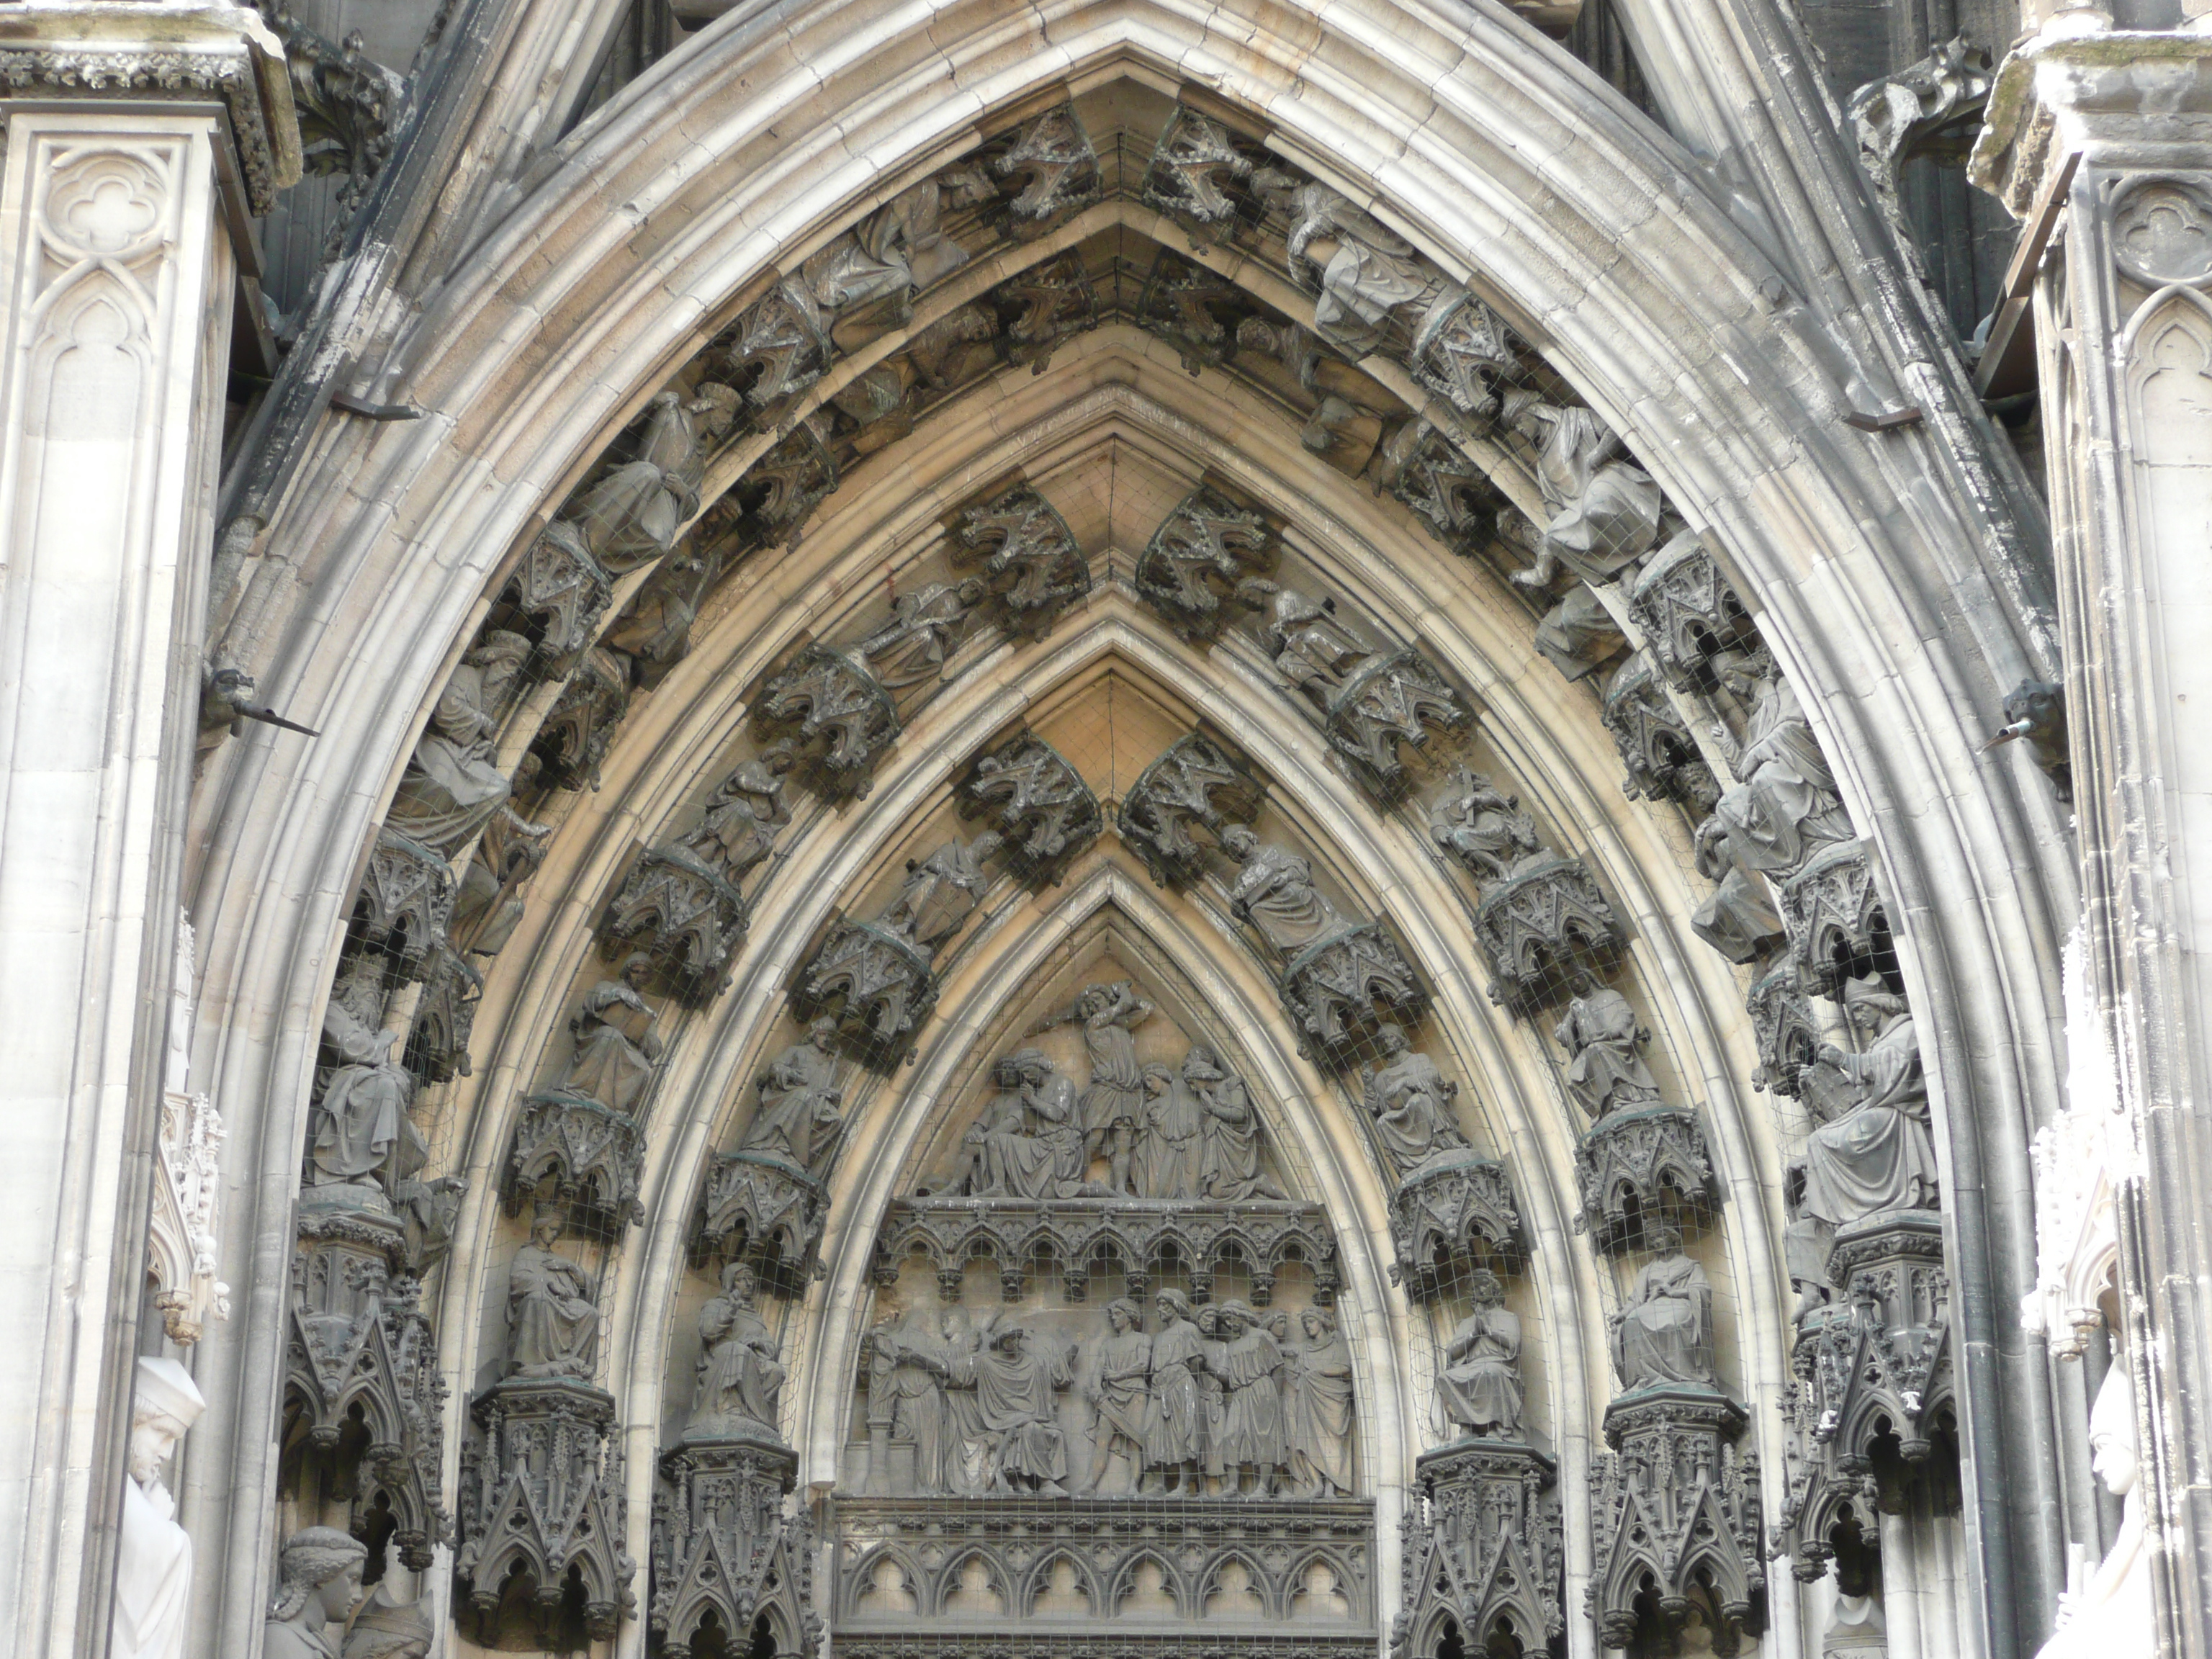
(1229, 1165)
(634, 511)
(2113, 1613)
(940, 892)
(1116, 1388)
(1170, 1142)
(1244, 1359)
(1739, 919)
(616, 1046)
(1178, 1437)
(318, 1584)
(152, 1553)
(453, 785)
(1605, 1072)
(1316, 651)
(1784, 807)
(552, 1323)
(1317, 1407)
(1027, 1144)
(1014, 1397)
(1880, 1155)
(1479, 1390)
(386, 1629)
(925, 630)
(1274, 892)
(908, 1365)
(1111, 1101)
(739, 828)
(360, 1134)
(740, 1367)
(1605, 509)
(1367, 271)
(1483, 829)
(798, 1099)
(1410, 1101)
(1665, 1333)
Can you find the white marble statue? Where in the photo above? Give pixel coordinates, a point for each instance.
(2112, 1614)
(154, 1555)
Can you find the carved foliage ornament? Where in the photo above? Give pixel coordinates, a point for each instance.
(1039, 804)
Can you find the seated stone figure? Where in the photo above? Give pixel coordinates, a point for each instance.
(1605, 1072)
(1880, 1154)
(1665, 1333)
(1479, 1391)
(741, 1363)
(1410, 1101)
(552, 1323)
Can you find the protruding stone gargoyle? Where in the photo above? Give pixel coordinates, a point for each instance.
(1198, 557)
(1541, 921)
(874, 977)
(1674, 1508)
(1372, 700)
(1196, 780)
(1486, 1560)
(766, 1201)
(580, 1137)
(1054, 154)
(541, 1492)
(2036, 710)
(680, 903)
(1195, 166)
(1640, 1158)
(1027, 556)
(1872, 1387)
(1654, 743)
(1040, 804)
(1448, 1199)
(1341, 978)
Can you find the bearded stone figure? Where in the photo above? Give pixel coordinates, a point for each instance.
(1317, 1406)
(1410, 1101)
(552, 1323)
(1665, 1333)
(741, 1363)
(318, 1584)
(2113, 1613)
(1880, 1154)
(153, 1554)
(361, 1137)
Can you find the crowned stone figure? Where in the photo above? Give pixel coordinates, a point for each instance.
(552, 1323)
(152, 1553)
(1479, 1391)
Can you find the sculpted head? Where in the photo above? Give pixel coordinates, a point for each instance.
(1123, 1317)
(1319, 1323)
(740, 1283)
(1239, 842)
(822, 1033)
(1662, 1238)
(319, 1572)
(162, 1408)
(1034, 1067)
(1172, 1305)
(1485, 1290)
(544, 1230)
(1391, 1039)
(1199, 1066)
(1870, 1003)
(2112, 1432)
(636, 970)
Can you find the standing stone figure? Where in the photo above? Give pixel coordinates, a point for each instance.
(1274, 892)
(1176, 1437)
(799, 1100)
(1410, 1101)
(925, 630)
(634, 513)
(1121, 1402)
(907, 1401)
(1605, 1072)
(1665, 1333)
(741, 1363)
(152, 1553)
(617, 1048)
(1113, 1099)
(1317, 1407)
(1170, 1142)
(939, 892)
(360, 1134)
(1229, 1168)
(552, 1324)
(453, 785)
(2113, 1614)
(318, 1584)
(1881, 1155)
(1480, 1388)
(1246, 1360)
